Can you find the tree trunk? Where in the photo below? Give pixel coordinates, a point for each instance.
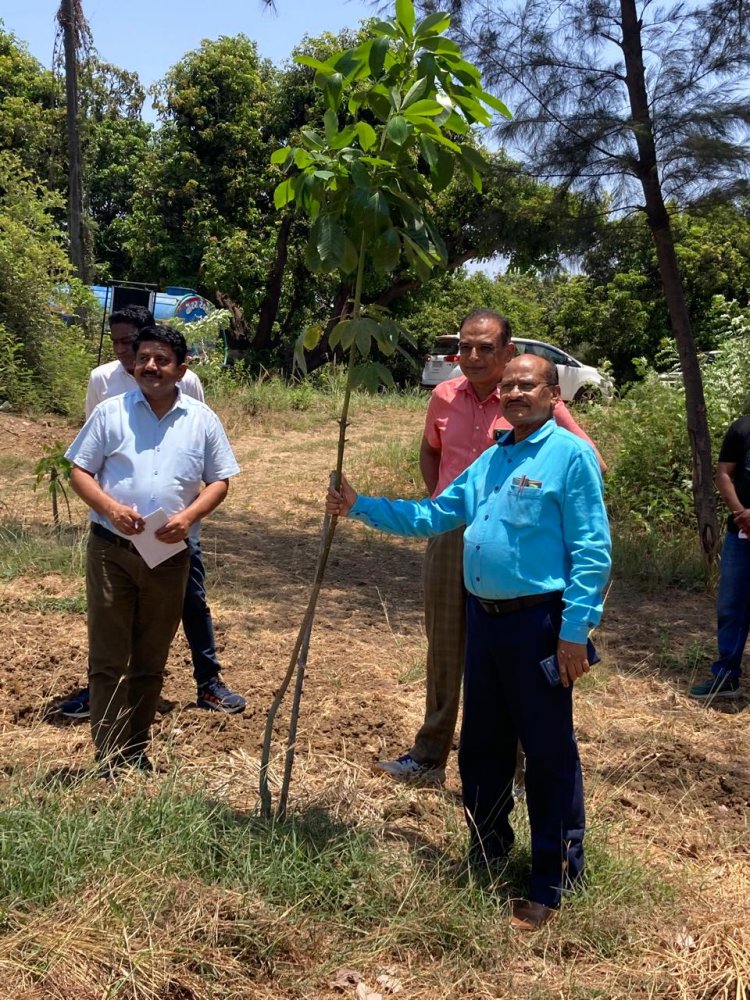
(661, 230)
(75, 176)
(270, 305)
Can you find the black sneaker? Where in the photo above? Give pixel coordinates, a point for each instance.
(76, 707)
(217, 697)
(723, 686)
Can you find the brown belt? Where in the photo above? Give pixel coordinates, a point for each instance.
(517, 603)
(109, 536)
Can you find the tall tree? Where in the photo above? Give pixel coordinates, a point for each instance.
(76, 42)
(640, 102)
(30, 110)
(115, 142)
(202, 211)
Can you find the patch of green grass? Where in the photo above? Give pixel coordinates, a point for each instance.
(170, 861)
(391, 469)
(24, 551)
(693, 659)
(74, 605)
(414, 671)
(659, 558)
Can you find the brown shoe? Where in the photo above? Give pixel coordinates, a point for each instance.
(529, 916)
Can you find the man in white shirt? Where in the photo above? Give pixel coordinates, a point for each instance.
(114, 379)
(139, 453)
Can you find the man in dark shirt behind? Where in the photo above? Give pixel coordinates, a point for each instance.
(733, 603)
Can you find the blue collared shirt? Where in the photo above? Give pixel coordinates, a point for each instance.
(535, 518)
(147, 462)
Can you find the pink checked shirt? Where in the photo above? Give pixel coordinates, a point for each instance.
(462, 427)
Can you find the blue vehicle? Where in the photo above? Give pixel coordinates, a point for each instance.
(184, 303)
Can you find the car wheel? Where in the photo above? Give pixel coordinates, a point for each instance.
(588, 394)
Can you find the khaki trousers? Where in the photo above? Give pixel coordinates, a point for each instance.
(133, 614)
(445, 626)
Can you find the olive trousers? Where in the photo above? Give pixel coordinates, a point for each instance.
(133, 614)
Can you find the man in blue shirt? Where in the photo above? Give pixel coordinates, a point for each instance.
(146, 450)
(536, 560)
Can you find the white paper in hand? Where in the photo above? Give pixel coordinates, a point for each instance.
(152, 550)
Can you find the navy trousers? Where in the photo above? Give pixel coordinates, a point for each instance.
(197, 622)
(506, 698)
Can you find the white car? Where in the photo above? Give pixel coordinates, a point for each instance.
(577, 381)
(440, 362)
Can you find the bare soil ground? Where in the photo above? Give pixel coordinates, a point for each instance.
(668, 778)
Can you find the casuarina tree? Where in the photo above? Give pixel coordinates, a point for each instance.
(401, 108)
(76, 42)
(643, 104)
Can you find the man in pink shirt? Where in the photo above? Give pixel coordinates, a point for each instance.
(462, 418)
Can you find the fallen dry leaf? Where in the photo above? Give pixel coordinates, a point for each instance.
(389, 983)
(344, 979)
(365, 993)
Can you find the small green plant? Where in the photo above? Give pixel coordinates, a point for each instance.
(55, 469)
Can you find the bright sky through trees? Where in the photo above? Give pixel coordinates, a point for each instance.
(149, 36)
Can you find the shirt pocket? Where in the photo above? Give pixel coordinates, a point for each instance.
(189, 465)
(524, 506)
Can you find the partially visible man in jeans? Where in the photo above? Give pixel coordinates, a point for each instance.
(733, 604)
(114, 379)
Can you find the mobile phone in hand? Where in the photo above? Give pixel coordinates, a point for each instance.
(551, 668)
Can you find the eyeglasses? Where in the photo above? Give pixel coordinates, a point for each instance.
(524, 387)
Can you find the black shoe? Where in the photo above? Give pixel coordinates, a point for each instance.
(723, 686)
(217, 697)
(76, 707)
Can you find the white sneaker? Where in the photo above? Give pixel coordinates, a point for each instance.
(407, 769)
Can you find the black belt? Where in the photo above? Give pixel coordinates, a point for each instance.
(517, 603)
(109, 536)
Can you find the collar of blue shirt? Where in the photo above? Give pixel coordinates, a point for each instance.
(505, 438)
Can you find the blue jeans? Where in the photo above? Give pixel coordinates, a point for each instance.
(196, 620)
(506, 698)
(733, 605)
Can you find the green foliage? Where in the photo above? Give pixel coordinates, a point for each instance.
(42, 361)
(644, 438)
(203, 334)
(17, 385)
(31, 109)
(439, 306)
(202, 190)
(400, 109)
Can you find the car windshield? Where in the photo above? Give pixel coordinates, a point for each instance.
(445, 345)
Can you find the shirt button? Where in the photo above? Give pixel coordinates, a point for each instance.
(477, 579)
(486, 517)
(497, 489)
(477, 548)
